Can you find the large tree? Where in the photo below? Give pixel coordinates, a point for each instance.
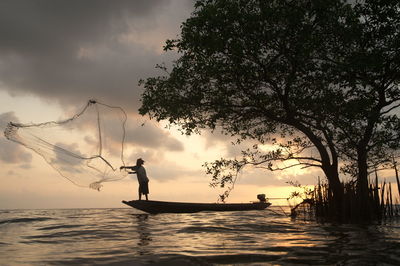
(363, 60)
(319, 78)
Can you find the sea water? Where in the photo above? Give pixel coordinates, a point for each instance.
(130, 237)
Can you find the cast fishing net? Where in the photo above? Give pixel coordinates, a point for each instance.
(87, 149)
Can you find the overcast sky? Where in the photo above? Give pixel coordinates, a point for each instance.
(57, 54)
(67, 51)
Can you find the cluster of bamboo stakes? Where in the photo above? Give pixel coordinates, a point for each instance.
(381, 203)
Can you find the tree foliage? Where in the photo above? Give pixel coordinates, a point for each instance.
(318, 78)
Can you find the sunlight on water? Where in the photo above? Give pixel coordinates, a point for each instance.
(117, 236)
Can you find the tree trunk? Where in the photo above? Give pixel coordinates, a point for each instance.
(329, 165)
(336, 189)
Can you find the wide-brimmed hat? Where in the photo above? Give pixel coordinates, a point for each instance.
(140, 160)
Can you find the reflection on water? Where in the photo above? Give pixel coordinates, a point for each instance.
(127, 236)
(144, 232)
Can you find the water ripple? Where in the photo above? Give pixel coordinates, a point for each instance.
(128, 237)
(24, 220)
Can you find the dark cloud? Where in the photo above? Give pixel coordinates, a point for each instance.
(46, 27)
(74, 50)
(151, 136)
(11, 152)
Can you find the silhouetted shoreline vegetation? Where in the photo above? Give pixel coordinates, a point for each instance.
(317, 203)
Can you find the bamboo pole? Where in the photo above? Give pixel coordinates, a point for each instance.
(390, 200)
(383, 198)
(376, 192)
(397, 175)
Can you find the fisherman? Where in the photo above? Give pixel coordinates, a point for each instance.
(142, 178)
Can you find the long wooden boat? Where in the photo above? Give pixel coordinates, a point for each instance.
(152, 206)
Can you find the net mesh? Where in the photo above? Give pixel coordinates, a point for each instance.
(87, 149)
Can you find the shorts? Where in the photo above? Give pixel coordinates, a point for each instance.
(144, 187)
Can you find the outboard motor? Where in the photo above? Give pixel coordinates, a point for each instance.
(261, 197)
